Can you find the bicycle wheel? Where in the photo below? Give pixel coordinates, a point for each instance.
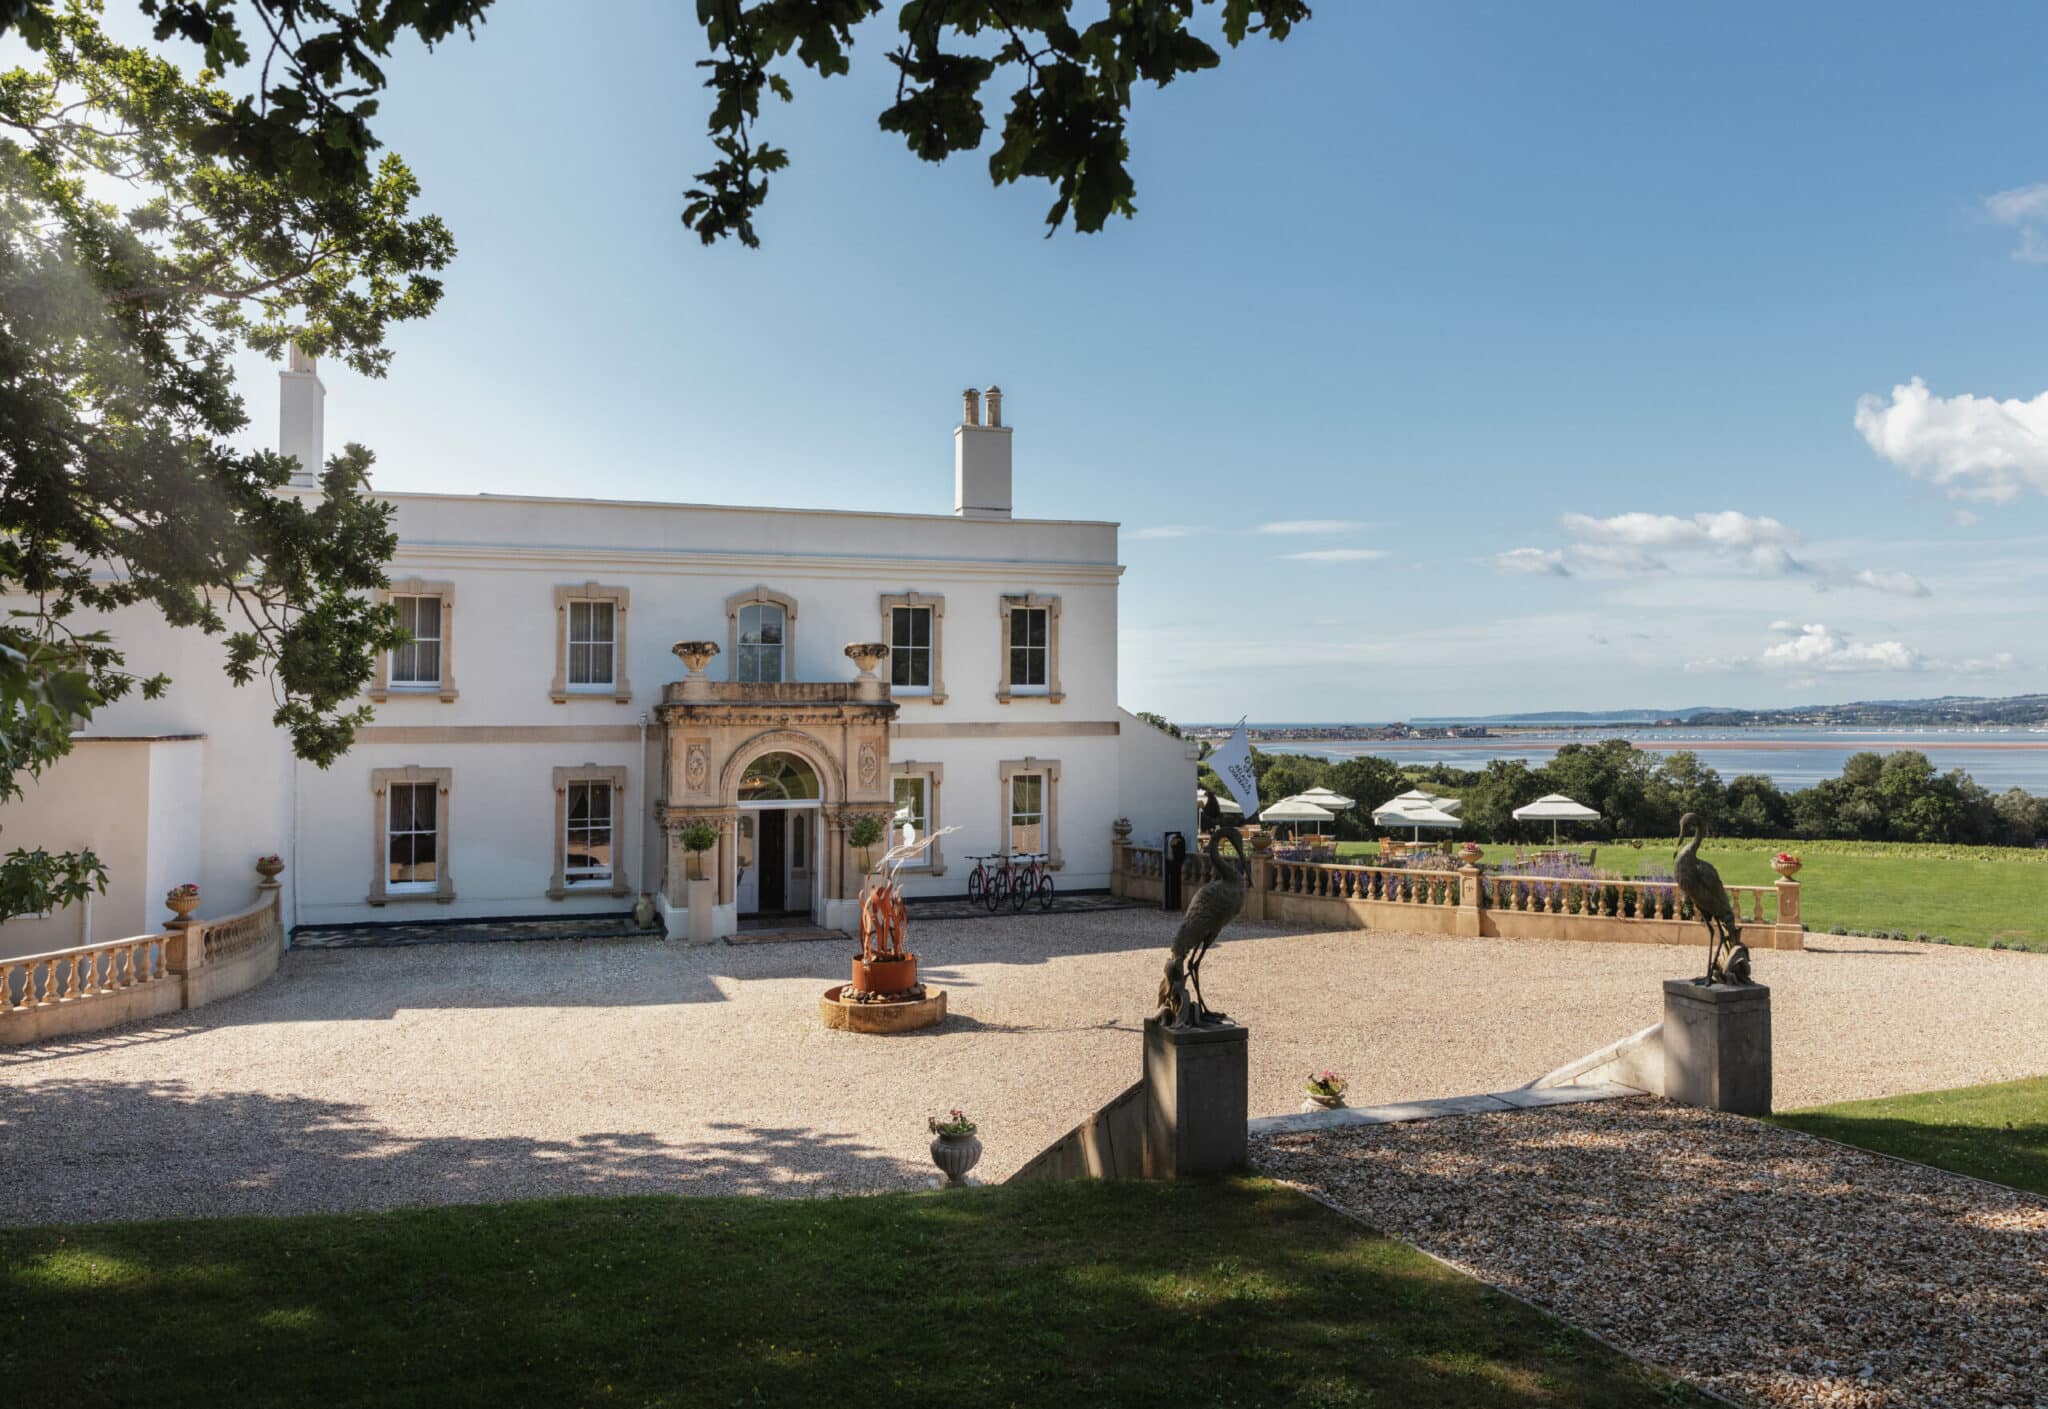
(1045, 892)
(1021, 890)
(974, 885)
(992, 894)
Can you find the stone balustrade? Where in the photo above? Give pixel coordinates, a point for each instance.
(92, 986)
(1466, 900)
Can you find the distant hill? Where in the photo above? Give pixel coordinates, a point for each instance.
(1576, 716)
(1944, 710)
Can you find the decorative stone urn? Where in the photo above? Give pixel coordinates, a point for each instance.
(955, 1155)
(695, 655)
(644, 912)
(1122, 829)
(269, 867)
(1787, 869)
(867, 655)
(1470, 851)
(182, 905)
(1262, 842)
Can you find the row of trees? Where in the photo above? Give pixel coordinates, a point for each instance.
(1878, 797)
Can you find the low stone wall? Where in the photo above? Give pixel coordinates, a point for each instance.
(71, 991)
(1472, 902)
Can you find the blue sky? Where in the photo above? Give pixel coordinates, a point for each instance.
(1451, 289)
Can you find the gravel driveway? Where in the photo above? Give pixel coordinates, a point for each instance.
(452, 1073)
(1775, 1267)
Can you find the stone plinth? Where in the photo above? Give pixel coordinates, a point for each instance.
(1717, 1045)
(702, 896)
(1196, 1102)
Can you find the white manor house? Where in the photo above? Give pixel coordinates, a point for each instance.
(588, 678)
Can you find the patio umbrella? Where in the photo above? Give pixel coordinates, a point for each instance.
(1297, 810)
(1223, 804)
(1323, 797)
(1555, 808)
(1418, 810)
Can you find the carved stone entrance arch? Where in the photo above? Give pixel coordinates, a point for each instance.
(838, 729)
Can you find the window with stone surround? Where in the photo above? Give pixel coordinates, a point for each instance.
(913, 624)
(916, 788)
(590, 643)
(590, 811)
(425, 665)
(761, 636)
(1031, 813)
(1031, 648)
(410, 818)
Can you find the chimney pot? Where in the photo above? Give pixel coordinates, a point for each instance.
(994, 397)
(970, 407)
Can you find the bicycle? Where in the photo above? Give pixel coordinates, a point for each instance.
(985, 882)
(1030, 878)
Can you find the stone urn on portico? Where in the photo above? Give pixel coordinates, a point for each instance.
(868, 655)
(695, 655)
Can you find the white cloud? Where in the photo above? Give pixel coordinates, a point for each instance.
(2027, 208)
(1167, 530)
(1335, 555)
(1726, 530)
(1899, 584)
(1972, 446)
(1547, 562)
(1305, 526)
(1989, 665)
(1619, 557)
(1813, 647)
(1968, 518)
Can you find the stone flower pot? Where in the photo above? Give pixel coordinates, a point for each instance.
(270, 868)
(1321, 1103)
(1787, 869)
(182, 906)
(1122, 829)
(644, 912)
(955, 1155)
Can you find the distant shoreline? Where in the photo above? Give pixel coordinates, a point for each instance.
(1511, 744)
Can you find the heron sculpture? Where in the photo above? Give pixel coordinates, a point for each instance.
(1700, 883)
(1212, 907)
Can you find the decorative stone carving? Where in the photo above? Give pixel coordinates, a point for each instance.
(697, 767)
(870, 768)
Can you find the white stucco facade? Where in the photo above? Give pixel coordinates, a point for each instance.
(503, 745)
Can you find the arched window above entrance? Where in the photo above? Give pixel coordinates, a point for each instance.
(778, 777)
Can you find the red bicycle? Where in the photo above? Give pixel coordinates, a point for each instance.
(1028, 878)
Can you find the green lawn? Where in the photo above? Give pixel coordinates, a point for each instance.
(1969, 900)
(1998, 1133)
(1230, 1292)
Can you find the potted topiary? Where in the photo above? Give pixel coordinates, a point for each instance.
(698, 838)
(955, 1150)
(863, 835)
(1325, 1091)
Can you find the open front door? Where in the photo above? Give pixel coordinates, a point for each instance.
(747, 877)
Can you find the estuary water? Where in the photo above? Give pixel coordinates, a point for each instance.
(1792, 758)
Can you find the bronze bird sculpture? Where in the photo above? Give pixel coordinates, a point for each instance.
(1212, 907)
(1700, 883)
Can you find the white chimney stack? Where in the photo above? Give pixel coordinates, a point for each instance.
(302, 418)
(981, 458)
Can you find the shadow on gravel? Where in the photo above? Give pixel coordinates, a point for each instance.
(100, 1151)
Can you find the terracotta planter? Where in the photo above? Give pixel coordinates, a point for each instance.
(269, 869)
(955, 1155)
(885, 975)
(182, 906)
(1787, 869)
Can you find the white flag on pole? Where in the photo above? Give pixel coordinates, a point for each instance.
(1233, 764)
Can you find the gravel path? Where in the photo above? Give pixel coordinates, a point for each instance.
(1772, 1266)
(453, 1073)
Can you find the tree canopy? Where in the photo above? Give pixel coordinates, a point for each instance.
(138, 254)
(1071, 80)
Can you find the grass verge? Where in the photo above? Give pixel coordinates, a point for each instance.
(1955, 897)
(1233, 1292)
(1998, 1132)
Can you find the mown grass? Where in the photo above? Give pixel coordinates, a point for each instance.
(1233, 1292)
(1966, 899)
(1998, 1132)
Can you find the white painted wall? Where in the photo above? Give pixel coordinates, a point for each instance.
(1156, 776)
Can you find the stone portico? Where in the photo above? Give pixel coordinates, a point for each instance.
(714, 731)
